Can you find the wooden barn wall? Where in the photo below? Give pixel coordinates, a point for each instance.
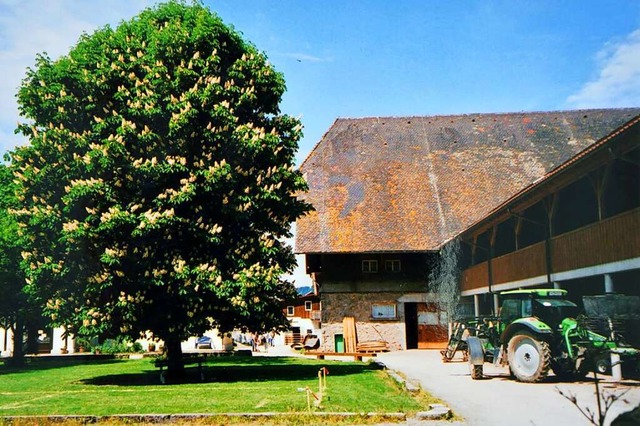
(474, 277)
(300, 312)
(522, 264)
(613, 239)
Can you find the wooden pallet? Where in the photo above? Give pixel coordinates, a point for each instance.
(373, 346)
(357, 356)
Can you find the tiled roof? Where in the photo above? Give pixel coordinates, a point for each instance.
(412, 183)
(585, 161)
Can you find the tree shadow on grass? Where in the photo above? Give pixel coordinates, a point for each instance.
(44, 363)
(247, 370)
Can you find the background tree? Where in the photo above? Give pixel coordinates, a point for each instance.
(17, 313)
(12, 299)
(159, 181)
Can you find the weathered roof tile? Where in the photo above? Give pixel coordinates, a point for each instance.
(412, 183)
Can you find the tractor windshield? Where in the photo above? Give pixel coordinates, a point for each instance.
(553, 311)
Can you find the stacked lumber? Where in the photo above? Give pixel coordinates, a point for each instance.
(349, 334)
(373, 346)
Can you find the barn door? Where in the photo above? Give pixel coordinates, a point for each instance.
(411, 324)
(432, 326)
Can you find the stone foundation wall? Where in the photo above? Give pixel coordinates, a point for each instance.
(392, 333)
(336, 306)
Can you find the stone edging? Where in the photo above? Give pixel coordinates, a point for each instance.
(436, 411)
(169, 418)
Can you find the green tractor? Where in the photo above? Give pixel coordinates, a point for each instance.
(537, 331)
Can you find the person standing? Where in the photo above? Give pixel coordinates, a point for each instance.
(227, 343)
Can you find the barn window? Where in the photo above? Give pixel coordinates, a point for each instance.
(370, 266)
(383, 311)
(392, 265)
(290, 311)
(307, 305)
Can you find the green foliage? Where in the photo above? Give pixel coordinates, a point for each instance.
(159, 180)
(84, 342)
(118, 345)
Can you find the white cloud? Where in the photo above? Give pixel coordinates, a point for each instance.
(618, 81)
(303, 57)
(29, 27)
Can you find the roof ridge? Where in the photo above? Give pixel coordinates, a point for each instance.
(558, 111)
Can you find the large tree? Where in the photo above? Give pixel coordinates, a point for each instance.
(159, 180)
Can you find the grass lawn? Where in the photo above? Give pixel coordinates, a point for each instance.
(231, 385)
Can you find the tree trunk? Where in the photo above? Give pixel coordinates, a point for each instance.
(32, 338)
(18, 335)
(175, 365)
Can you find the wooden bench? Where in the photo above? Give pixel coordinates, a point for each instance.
(357, 356)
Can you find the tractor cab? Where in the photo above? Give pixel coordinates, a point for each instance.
(549, 306)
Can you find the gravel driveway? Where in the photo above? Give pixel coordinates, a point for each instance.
(499, 400)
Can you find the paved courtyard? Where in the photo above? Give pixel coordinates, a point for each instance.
(499, 400)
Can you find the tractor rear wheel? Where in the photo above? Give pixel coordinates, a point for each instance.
(529, 357)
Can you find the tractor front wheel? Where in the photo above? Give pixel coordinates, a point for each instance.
(603, 365)
(529, 357)
(476, 372)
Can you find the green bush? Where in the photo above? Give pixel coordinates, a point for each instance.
(118, 345)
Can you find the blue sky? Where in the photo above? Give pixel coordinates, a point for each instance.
(383, 58)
